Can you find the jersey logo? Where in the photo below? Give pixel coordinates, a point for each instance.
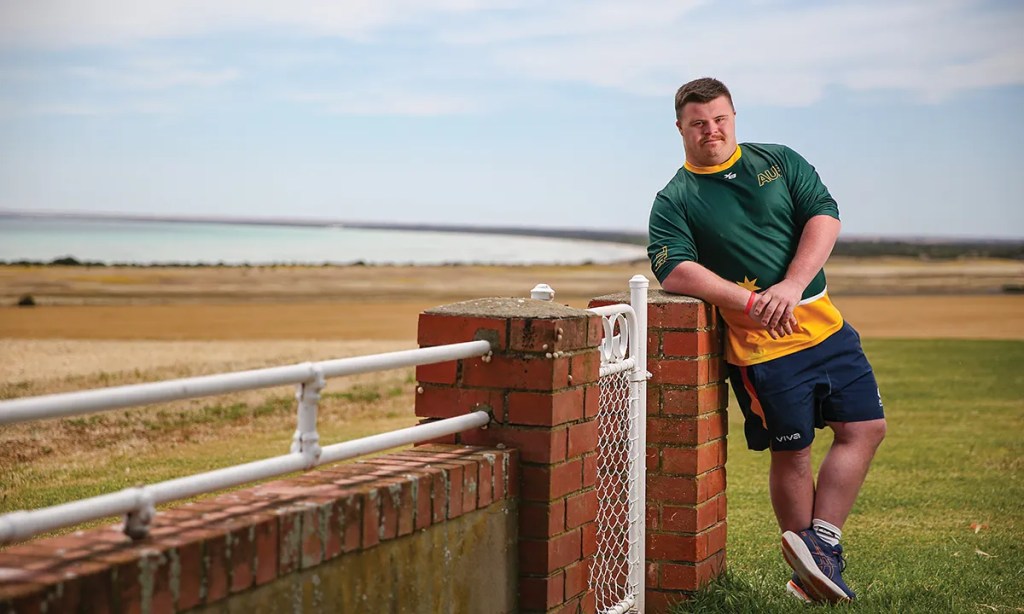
(730, 175)
(749, 284)
(660, 258)
(768, 176)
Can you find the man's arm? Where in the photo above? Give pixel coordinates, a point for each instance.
(692, 279)
(817, 239)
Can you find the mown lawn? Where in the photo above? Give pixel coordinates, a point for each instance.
(939, 526)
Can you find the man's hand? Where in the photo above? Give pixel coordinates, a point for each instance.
(774, 308)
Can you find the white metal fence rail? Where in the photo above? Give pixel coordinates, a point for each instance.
(138, 503)
(617, 574)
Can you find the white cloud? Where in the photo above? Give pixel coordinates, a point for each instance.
(156, 74)
(772, 52)
(786, 54)
(15, 109)
(382, 101)
(62, 23)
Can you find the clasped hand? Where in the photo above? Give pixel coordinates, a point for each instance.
(774, 306)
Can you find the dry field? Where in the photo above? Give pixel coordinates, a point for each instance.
(96, 327)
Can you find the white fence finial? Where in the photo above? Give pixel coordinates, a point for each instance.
(542, 292)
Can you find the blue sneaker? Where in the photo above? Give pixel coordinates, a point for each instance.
(818, 565)
(796, 588)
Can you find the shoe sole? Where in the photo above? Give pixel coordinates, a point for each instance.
(820, 586)
(797, 592)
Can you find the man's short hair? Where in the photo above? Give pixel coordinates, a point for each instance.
(701, 90)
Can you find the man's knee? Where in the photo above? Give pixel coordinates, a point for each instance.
(868, 433)
(795, 462)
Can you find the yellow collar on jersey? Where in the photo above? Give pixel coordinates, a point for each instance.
(707, 170)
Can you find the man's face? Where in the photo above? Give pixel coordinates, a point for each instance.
(709, 131)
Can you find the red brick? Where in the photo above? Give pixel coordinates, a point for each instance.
(470, 486)
(548, 335)
(534, 445)
(541, 520)
(585, 366)
(547, 556)
(439, 329)
(677, 431)
(448, 402)
(678, 576)
(692, 314)
(710, 485)
(527, 372)
(696, 401)
(689, 518)
(589, 470)
(580, 509)
(546, 483)
(438, 372)
(589, 536)
(577, 578)
(654, 399)
(595, 330)
(215, 564)
(541, 593)
(671, 547)
(662, 601)
(485, 482)
(266, 545)
(691, 344)
(679, 461)
(678, 371)
(654, 343)
(243, 554)
(583, 438)
(545, 409)
(370, 523)
(670, 489)
(591, 400)
(190, 574)
(652, 516)
(716, 537)
(653, 459)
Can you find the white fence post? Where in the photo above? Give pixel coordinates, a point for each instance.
(306, 440)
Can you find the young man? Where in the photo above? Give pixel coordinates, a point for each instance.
(748, 228)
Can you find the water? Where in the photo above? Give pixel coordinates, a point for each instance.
(149, 242)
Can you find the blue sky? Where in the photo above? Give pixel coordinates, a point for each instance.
(510, 112)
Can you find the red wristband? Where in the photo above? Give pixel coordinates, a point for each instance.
(750, 303)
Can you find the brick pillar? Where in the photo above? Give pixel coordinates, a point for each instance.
(541, 385)
(686, 430)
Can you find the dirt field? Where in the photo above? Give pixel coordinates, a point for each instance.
(882, 297)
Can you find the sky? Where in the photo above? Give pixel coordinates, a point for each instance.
(511, 112)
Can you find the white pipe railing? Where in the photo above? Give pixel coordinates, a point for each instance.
(138, 503)
(117, 397)
(21, 525)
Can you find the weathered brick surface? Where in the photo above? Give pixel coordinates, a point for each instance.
(200, 553)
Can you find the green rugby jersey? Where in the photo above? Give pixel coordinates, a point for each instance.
(742, 220)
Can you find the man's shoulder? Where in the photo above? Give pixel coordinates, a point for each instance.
(766, 149)
(676, 186)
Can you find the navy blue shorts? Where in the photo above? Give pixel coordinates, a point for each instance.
(785, 399)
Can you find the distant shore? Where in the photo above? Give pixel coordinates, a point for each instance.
(858, 246)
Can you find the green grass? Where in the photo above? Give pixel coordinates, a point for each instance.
(953, 460)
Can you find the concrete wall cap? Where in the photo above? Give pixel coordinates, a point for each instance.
(505, 307)
(656, 296)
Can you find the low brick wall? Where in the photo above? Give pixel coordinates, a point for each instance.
(400, 533)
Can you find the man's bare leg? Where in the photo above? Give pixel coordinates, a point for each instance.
(845, 466)
(791, 486)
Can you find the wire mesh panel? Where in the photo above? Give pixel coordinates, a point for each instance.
(616, 563)
(616, 575)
